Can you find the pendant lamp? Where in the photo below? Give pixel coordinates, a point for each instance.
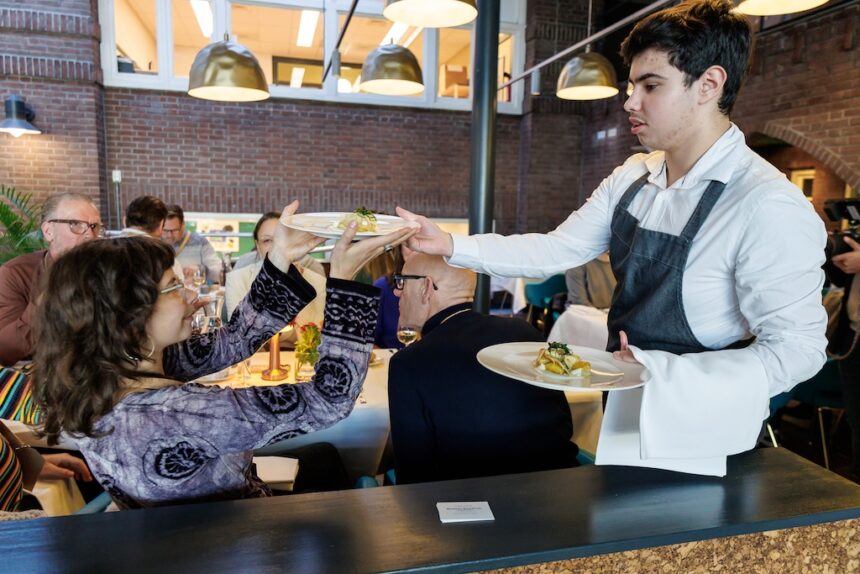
(18, 118)
(588, 76)
(227, 72)
(391, 70)
(431, 13)
(777, 7)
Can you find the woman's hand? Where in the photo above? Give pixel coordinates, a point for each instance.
(347, 258)
(430, 239)
(288, 244)
(624, 354)
(64, 465)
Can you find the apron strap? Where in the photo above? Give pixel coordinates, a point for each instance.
(631, 192)
(703, 209)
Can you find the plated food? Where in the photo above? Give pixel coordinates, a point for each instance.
(558, 359)
(365, 219)
(333, 224)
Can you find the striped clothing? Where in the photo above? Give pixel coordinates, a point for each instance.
(16, 397)
(11, 486)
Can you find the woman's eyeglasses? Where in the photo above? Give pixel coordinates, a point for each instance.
(79, 227)
(400, 280)
(177, 286)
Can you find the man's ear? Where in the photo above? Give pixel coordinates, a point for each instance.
(710, 84)
(426, 289)
(47, 232)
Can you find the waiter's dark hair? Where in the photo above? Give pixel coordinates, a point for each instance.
(696, 35)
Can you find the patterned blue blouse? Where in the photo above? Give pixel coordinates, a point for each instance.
(193, 442)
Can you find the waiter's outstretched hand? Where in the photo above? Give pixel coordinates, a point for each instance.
(625, 354)
(430, 239)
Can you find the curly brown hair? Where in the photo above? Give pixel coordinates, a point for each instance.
(91, 322)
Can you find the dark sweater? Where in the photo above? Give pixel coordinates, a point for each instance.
(452, 418)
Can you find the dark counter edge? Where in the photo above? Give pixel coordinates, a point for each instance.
(636, 543)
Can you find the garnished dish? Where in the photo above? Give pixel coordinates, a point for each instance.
(365, 219)
(558, 359)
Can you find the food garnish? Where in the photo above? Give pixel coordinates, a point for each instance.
(365, 219)
(558, 359)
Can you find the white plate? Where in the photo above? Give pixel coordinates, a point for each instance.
(216, 377)
(325, 224)
(514, 360)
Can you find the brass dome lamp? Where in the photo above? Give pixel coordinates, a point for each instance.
(227, 72)
(431, 13)
(588, 76)
(777, 7)
(391, 70)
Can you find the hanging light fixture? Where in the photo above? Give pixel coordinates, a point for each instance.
(431, 13)
(391, 70)
(227, 72)
(18, 118)
(777, 7)
(588, 76)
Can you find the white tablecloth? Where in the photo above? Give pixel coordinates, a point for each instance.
(583, 326)
(516, 286)
(361, 437)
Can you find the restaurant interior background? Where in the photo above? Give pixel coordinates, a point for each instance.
(107, 80)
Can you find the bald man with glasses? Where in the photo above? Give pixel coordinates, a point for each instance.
(68, 219)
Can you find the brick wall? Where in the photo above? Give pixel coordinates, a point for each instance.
(49, 55)
(251, 158)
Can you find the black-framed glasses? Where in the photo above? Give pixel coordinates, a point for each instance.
(79, 227)
(400, 280)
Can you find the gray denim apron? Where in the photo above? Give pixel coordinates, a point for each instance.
(649, 266)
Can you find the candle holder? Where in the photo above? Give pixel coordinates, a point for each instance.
(276, 371)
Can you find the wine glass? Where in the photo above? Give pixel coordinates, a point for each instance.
(407, 334)
(198, 277)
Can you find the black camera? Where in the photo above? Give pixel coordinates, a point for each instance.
(839, 210)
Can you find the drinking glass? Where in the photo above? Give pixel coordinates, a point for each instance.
(198, 277)
(407, 334)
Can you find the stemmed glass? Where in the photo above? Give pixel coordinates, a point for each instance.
(407, 334)
(198, 277)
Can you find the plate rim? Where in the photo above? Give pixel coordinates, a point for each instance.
(560, 385)
(332, 234)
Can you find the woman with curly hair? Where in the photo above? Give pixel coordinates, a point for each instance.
(115, 354)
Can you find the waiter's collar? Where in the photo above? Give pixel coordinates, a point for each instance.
(439, 317)
(716, 164)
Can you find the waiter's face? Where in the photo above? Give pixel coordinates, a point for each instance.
(662, 108)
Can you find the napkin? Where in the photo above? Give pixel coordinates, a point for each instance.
(692, 412)
(279, 472)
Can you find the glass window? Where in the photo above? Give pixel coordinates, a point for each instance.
(135, 33)
(193, 23)
(506, 64)
(363, 36)
(455, 61)
(288, 42)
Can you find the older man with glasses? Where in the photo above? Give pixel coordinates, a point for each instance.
(68, 219)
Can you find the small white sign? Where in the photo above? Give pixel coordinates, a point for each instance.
(464, 511)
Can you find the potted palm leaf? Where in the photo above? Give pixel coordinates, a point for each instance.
(19, 221)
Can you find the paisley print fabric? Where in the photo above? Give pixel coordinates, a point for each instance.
(194, 442)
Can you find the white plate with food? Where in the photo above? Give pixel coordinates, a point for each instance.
(579, 368)
(333, 224)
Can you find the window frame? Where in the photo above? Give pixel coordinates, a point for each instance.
(514, 13)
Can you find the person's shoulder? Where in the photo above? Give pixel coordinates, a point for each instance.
(758, 183)
(24, 262)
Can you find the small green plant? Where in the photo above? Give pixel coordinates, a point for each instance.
(307, 342)
(19, 220)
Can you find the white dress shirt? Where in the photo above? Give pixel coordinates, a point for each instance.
(754, 268)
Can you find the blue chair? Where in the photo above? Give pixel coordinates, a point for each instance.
(96, 505)
(366, 482)
(539, 297)
(584, 457)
